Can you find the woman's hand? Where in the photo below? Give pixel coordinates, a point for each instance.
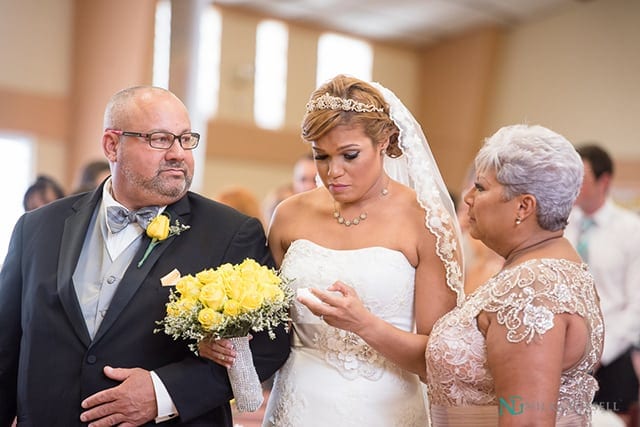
(339, 306)
(219, 351)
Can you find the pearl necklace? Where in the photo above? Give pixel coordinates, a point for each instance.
(346, 222)
(357, 220)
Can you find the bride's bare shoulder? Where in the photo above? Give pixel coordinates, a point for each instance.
(306, 202)
(407, 202)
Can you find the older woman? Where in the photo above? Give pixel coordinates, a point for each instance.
(520, 350)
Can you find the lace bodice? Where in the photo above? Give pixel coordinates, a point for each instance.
(383, 279)
(525, 299)
(333, 377)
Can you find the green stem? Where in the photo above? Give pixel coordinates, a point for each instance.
(152, 245)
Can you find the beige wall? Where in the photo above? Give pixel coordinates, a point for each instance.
(62, 59)
(578, 73)
(35, 46)
(455, 87)
(301, 72)
(232, 136)
(399, 69)
(237, 55)
(575, 72)
(113, 49)
(261, 177)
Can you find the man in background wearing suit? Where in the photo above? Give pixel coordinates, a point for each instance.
(79, 309)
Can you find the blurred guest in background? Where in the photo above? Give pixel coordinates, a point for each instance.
(303, 179)
(45, 190)
(273, 199)
(241, 199)
(304, 174)
(605, 236)
(92, 175)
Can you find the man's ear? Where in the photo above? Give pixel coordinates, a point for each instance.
(110, 143)
(604, 181)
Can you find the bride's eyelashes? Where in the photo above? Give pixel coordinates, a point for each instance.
(348, 156)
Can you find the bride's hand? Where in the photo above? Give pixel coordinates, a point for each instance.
(219, 351)
(339, 306)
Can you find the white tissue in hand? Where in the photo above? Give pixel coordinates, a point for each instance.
(306, 293)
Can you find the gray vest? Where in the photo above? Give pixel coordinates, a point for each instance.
(97, 276)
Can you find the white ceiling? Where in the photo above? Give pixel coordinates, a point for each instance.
(416, 22)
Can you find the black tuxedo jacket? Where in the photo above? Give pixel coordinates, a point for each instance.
(48, 362)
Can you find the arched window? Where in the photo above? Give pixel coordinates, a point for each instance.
(20, 177)
(162, 44)
(270, 85)
(339, 54)
(209, 62)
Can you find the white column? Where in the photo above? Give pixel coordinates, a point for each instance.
(183, 71)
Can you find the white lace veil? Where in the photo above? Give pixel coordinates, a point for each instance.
(417, 169)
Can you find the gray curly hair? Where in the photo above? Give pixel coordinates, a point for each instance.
(535, 160)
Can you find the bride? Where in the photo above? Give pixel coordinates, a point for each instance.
(375, 254)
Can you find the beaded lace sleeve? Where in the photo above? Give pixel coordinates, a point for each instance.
(527, 297)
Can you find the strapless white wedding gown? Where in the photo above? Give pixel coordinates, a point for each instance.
(332, 377)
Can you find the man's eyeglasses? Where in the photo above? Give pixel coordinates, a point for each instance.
(164, 140)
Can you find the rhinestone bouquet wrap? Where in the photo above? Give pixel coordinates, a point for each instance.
(229, 302)
(245, 383)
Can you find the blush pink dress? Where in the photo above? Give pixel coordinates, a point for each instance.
(525, 299)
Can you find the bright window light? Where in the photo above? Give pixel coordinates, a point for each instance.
(272, 39)
(209, 61)
(338, 54)
(162, 44)
(20, 177)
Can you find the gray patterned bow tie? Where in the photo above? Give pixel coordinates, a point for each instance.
(118, 217)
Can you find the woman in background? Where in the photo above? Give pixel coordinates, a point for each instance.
(241, 199)
(521, 349)
(42, 192)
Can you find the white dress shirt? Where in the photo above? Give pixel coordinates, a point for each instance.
(614, 261)
(116, 243)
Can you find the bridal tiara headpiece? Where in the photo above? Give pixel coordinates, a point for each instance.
(328, 102)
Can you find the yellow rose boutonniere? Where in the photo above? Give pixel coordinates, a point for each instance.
(160, 229)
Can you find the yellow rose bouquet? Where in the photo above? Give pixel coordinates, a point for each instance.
(229, 302)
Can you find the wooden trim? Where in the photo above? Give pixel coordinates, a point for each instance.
(45, 116)
(246, 142)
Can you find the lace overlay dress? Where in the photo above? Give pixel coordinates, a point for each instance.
(332, 377)
(525, 299)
